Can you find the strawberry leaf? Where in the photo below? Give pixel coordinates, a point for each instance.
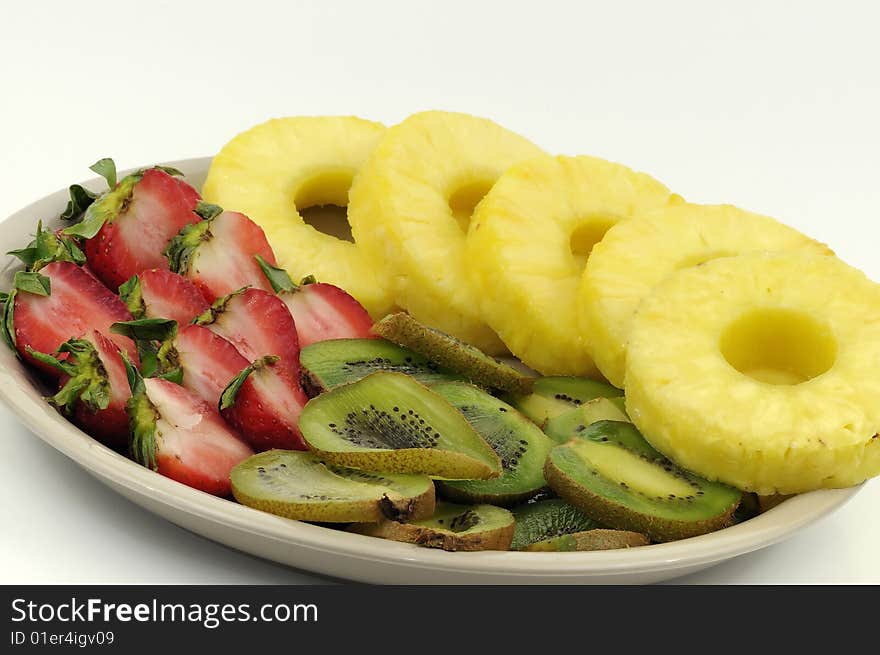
(7, 330)
(278, 277)
(106, 168)
(181, 248)
(132, 296)
(58, 364)
(227, 398)
(47, 247)
(32, 282)
(146, 329)
(105, 209)
(142, 417)
(135, 379)
(207, 210)
(80, 200)
(87, 378)
(308, 279)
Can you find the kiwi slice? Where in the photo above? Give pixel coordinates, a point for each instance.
(328, 364)
(766, 503)
(519, 443)
(547, 519)
(452, 527)
(554, 395)
(611, 473)
(597, 539)
(569, 424)
(388, 421)
(449, 352)
(297, 485)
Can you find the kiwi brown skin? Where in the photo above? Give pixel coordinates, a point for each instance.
(497, 539)
(766, 503)
(437, 463)
(452, 493)
(622, 518)
(596, 539)
(452, 354)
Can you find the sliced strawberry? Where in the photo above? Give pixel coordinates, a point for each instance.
(49, 246)
(127, 228)
(190, 195)
(256, 322)
(207, 361)
(60, 302)
(93, 387)
(264, 403)
(182, 437)
(159, 293)
(218, 254)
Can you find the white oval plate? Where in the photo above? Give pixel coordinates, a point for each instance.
(352, 556)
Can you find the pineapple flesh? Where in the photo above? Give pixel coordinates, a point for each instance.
(275, 170)
(529, 241)
(410, 208)
(635, 256)
(760, 371)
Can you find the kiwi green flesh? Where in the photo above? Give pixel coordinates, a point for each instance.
(555, 394)
(547, 519)
(452, 527)
(569, 424)
(611, 473)
(328, 364)
(297, 485)
(598, 539)
(389, 421)
(452, 354)
(518, 442)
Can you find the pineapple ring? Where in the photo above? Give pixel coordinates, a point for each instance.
(274, 170)
(409, 209)
(636, 255)
(529, 242)
(761, 371)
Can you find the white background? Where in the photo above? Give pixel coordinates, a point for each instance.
(773, 106)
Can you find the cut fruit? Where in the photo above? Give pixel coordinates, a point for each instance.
(275, 170)
(410, 204)
(555, 395)
(611, 473)
(452, 527)
(449, 352)
(389, 422)
(159, 293)
(538, 225)
(298, 485)
(519, 443)
(598, 539)
(565, 426)
(340, 361)
(761, 371)
(637, 255)
(547, 519)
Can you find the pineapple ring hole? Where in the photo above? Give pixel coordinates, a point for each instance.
(779, 346)
(321, 200)
(589, 231)
(465, 198)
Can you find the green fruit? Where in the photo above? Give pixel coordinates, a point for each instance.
(611, 473)
(297, 485)
(554, 395)
(547, 519)
(449, 352)
(390, 422)
(569, 424)
(452, 527)
(598, 539)
(519, 443)
(328, 364)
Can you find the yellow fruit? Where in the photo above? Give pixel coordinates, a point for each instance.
(529, 241)
(636, 255)
(279, 168)
(410, 208)
(761, 371)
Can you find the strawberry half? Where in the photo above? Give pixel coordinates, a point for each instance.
(218, 254)
(159, 293)
(178, 434)
(60, 302)
(257, 323)
(126, 229)
(93, 388)
(264, 402)
(321, 311)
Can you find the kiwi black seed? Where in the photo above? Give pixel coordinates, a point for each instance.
(452, 527)
(452, 354)
(389, 421)
(519, 443)
(613, 475)
(327, 364)
(553, 395)
(297, 485)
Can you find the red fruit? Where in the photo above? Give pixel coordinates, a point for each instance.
(208, 361)
(264, 403)
(190, 195)
(76, 304)
(137, 220)
(218, 255)
(184, 438)
(258, 323)
(159, 293)
(323, 311)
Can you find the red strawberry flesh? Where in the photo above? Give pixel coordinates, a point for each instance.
(169, 295)
(209, 362)
(323, 311)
